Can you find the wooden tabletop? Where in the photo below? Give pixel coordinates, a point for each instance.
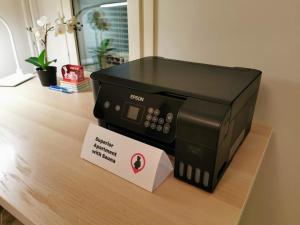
(43, 180)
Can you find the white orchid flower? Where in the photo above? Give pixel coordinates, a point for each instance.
(73, 21)
(70, 28)
(60, 29)
(42, 21)
(71, 24)
(38, 33)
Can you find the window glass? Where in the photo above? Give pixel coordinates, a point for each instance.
(103, 39)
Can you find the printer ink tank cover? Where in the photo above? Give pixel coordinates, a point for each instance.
(201, 122)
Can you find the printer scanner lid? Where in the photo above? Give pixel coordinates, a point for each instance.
(161, 75)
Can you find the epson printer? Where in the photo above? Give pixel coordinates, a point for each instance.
(200, 113)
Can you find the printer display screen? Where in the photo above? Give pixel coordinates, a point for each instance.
(133, 112)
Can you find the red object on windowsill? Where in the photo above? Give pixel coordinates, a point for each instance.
(72, 73)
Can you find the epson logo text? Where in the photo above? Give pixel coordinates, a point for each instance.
(136, 98)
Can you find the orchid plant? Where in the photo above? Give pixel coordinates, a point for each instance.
(59, 26)
(102, 51)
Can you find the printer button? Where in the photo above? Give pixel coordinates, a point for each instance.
(150, 110)
(169, 117)
(148, 117)
(161, 121)
(166, 128)
(117, 108)
(156, 112)
(154, 119)
(153, 126)
(159, 128)
(147, 124)
(106, 104)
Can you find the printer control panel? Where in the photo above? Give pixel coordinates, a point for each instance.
(157, 121)
(150, 115)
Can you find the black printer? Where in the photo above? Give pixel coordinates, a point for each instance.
(200, 113)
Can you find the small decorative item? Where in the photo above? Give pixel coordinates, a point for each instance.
(73, 78)
(47, 73)
(76, 86)
(72, 73)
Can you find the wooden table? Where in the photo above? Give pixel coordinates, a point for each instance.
(44, 181)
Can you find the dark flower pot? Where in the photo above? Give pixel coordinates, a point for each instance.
(47, 77)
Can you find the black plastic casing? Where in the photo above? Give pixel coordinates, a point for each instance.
(213, 107)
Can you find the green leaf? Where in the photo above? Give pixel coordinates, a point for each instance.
(49, 62)
(105, 43)
(41, 58)
(104, 48)
(34, 61)
(109, 49)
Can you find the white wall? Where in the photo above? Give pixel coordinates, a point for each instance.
(263, 35)
(12, 12)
